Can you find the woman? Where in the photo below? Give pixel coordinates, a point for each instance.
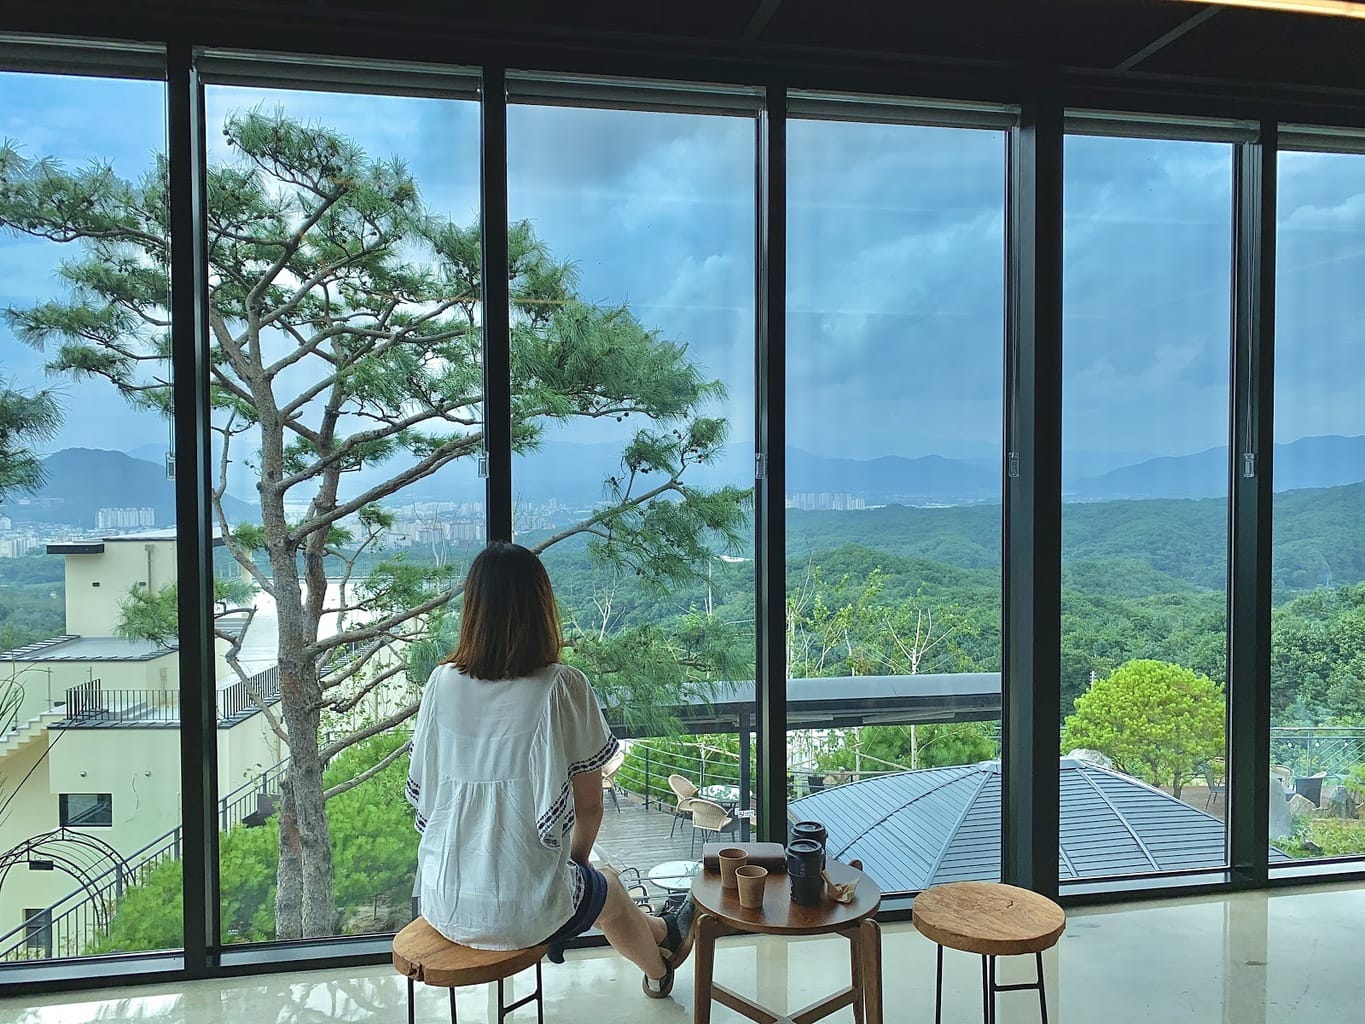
(506, 778)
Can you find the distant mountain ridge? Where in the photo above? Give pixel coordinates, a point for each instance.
(81, 481)
(1328, 461)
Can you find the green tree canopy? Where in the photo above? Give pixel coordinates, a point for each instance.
(27, 418)
(880, 748)
(1155, 719)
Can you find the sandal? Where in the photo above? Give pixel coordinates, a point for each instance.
(659, 988)
(678, 943)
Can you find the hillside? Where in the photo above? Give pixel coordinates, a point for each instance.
(81, 481)
(1319, 537)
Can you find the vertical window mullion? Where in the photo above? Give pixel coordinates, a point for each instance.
(497, 327)
(1250, 469)
(770, 686)
(1031, 680)
(194, 548)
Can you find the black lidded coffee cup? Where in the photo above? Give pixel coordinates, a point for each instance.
(812, 830)
(805, 864)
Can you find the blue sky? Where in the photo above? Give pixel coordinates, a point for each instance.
(895, 261)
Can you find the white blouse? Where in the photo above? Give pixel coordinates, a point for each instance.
(491, 764)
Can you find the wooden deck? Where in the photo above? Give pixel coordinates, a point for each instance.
(636, 838)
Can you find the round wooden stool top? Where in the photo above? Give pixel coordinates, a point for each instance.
(779, 915)
(422, 953)
(988, 918)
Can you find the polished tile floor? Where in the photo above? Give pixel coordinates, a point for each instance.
(1293, 956)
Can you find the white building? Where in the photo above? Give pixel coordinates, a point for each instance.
(18, 547)
(125, 518)
(90, 749)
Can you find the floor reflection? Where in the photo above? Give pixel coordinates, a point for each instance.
(1253, 958)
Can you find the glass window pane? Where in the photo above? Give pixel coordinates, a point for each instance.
(89, 683)
(894, 382)
(1317, 733)
(89, 809)
(345, 275)
(632, 364)
(1145, 423)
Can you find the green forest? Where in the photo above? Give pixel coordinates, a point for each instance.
(1141, 579)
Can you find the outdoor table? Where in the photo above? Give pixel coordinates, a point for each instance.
(719, 913)
(721, 793)
(674, 875)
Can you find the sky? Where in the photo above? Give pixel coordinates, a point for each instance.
(895, 255)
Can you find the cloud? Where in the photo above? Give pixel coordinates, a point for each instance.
(895, 259)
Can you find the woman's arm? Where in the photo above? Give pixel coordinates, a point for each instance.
(587, 809)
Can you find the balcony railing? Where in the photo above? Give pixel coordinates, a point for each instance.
(74, 925)
(90, 705)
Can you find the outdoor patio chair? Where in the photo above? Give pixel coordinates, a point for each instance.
(1215, 777)
(609, 771)
(684, 789)
(709, 816)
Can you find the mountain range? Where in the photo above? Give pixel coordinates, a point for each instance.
(80, 481)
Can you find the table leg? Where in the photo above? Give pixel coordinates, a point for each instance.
(856, 971)
(872, 970)
(704, 954)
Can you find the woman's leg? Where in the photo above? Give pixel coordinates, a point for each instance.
(631, 932)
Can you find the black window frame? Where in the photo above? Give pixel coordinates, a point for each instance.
(104, 802)
(1030, 802)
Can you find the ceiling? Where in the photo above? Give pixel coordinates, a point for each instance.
(1149, 37)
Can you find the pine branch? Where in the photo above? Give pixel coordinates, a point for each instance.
(381, 626)
(367, 774)
(361, 735)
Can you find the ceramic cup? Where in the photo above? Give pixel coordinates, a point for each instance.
(751, 880)
(730, 858)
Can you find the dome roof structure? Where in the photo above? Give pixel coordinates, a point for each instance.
(916, 829)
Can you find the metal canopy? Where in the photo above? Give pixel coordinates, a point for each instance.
(847, 701)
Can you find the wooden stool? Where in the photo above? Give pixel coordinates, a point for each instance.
(421, 953)
(992, 920)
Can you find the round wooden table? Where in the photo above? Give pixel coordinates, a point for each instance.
(719, 913)
(991, 920)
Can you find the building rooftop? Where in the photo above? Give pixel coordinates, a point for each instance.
(95, 545)
(90, 648)
(921, 828)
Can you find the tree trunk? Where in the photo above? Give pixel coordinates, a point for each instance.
(289, 874)
(308, 869)
(319, 903)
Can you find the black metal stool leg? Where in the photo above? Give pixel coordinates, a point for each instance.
(453, 1018)
(938, 989)
(540, 998)
(985, 993)
(1042, 989)
(502, 1003)
(412, 1009)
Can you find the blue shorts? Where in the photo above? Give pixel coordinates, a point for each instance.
(592, 897)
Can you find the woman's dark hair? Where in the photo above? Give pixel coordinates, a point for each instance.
(510, 626)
